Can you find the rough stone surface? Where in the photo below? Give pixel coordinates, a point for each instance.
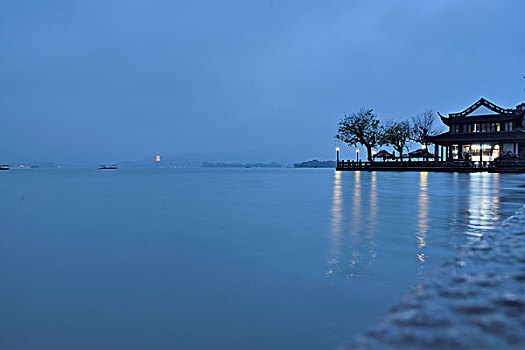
(475, 301)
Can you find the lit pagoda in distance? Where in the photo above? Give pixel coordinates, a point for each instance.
(157, 157)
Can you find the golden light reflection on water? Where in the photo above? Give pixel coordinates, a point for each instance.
(356, 206)
(353, 220)
(336, 221)
(361, 220)
(356, 219)
(484, 203)
(373, 204)
(361, 210)
(422, 216)
(372, 217)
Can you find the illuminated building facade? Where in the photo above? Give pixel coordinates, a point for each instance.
(482, 137)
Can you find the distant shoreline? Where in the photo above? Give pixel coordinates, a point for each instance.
(316, 164)
(241, 165)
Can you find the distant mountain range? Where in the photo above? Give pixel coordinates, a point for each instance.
(241, 165)
(197, 160)
(194, 160)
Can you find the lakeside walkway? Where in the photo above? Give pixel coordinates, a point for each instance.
(513, 166)
(475, 301)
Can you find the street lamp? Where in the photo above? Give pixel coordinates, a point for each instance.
(337, 150)
(357, 154)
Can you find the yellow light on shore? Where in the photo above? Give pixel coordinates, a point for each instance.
(337, 149)
(424, 146)
(357, 151)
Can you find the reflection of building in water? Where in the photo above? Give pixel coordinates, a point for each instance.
(422, 217)
(353, 252)
(356, 219)
(356, 206)
(337, 222)
(483, 206)
(373, 203)
(372, 217)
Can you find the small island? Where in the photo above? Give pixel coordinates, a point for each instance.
(316, 164)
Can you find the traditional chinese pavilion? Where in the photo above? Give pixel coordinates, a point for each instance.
(482, 137)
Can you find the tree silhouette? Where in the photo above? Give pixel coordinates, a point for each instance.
(424, 125)
(361, 127)
(397, 135)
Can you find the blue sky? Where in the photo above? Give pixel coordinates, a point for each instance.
(104, 81)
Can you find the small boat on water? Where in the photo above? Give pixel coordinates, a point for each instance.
(4, 167)
(108, 167)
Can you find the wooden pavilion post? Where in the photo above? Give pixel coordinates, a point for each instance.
(481, 155)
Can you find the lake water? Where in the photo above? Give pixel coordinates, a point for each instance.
(225, 258)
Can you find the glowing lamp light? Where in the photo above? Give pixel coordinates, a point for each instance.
(424, 146)
(337, 149)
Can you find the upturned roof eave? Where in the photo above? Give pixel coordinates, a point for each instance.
(448, 138)
(448, 121)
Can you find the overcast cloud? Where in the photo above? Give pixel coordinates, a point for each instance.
(104, 81)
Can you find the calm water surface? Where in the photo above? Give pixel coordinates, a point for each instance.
(225, 258)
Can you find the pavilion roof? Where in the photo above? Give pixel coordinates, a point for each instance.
(500, 114)
(383, 154)
(479, 137)
(420, 153)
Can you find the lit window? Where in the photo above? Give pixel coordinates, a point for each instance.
(498, 127)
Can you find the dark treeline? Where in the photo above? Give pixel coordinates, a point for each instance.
(365, 128)
(241, 165)
(316, 164)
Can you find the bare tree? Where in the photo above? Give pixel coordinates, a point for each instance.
(397, 135)
(424, 125)
(362, 128)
